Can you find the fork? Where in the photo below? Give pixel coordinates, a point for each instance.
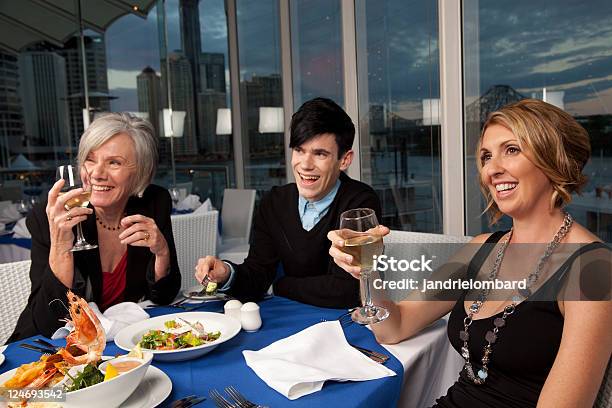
(345, 318)
(187, 402)
(240, 399)
(220, 401)
(202, 292)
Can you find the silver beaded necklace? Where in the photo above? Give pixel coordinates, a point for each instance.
(499, 322)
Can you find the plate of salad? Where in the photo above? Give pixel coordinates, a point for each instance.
(179, 336)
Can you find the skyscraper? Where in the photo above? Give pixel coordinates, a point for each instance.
(211, 97)
(190, 37)
(209, 102)
(148, 84)
(181, 94)
(212, 71)
(44, 94)
(261, 91)
(97, 80)
(11, 113)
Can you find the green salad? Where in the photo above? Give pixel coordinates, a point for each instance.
(86, 378)
(177, 336)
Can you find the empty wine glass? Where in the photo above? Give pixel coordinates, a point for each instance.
(23, 207)
(71, 175)
(174, 195)
(358, 229)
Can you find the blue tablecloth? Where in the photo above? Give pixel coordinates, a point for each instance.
(21, 242)
(226, 366)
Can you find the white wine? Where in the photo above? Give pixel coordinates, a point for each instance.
(82, 200)
(363, 248)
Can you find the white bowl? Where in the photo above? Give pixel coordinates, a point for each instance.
(107, 394)
(128, 337)
(110, 393)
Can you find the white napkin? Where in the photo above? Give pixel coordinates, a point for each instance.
(9, 214)
(299, 365)
(113, 319)
(21, 230)
(205, 207)
(191, 202)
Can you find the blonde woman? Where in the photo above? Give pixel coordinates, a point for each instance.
(519, 352)
(127, 217)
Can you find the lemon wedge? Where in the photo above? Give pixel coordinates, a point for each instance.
(111, 372)
(136, 352)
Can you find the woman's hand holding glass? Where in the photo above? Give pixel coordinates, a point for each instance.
(338, 252)
(71, 174)
(361, 243)
(62, 221)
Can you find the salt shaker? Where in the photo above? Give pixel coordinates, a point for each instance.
(250, 317)
(232, 308)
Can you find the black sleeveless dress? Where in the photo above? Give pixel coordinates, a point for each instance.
(523, 354)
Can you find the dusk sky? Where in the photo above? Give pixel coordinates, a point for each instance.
(563, 45)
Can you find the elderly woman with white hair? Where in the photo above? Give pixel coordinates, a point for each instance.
(128, 218)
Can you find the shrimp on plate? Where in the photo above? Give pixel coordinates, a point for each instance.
(88, 340)
(84, 345)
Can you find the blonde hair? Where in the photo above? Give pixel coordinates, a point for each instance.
(142, 134)
(551, 139)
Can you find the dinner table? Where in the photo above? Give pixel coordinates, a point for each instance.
(225, 365)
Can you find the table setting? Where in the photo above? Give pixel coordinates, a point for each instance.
(245, 359)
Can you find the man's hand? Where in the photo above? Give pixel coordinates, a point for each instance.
(214, 268)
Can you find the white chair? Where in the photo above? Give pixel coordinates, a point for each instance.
(236, 220)
(195, 236)
(14, 291)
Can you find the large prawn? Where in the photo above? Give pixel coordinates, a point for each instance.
(88, 340)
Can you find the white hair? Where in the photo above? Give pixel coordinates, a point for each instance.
(142, 134)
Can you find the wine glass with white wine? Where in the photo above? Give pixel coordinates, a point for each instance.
(72, 176)
(358, 229)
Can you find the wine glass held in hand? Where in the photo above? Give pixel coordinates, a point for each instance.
(72, 177)
(358, 229)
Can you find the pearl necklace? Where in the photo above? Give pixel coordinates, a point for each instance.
(499, 322)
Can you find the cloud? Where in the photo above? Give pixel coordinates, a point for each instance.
(122, 79)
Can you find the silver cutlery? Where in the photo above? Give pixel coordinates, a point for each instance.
(37, 348)
(240, 399)
(187, 402)
(220, 401)
(344, 319)
(46, 344)
(374, 355)
(202, 292)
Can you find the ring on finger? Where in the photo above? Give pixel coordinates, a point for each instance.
(147, 236)
(68, 216)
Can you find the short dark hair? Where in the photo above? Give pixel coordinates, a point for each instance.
(318, 116)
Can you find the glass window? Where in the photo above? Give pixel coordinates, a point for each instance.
(555, 50)
(316, 50)
(261, 93)
(398, 74)
(198, 71)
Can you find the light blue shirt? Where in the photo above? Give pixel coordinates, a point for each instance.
(310, 214)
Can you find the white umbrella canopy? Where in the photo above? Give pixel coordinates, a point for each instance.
(24, 22)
